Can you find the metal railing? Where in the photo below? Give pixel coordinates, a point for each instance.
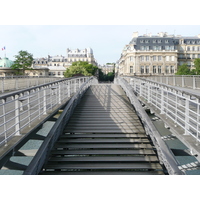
(19, 110)
(42, 155)
(179, 105)
(10, 83)
(164, 153)
(179, 81)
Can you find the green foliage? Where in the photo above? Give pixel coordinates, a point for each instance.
(23, 61)
(197, 66)
(106, 77)
(81, 67)
(183, 70)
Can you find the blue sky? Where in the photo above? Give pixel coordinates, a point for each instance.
(107, 41)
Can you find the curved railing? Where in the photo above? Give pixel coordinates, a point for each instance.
(164, 153)
(20, 109)
(40, 158)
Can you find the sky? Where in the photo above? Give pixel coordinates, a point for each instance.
(107, 41)
(106, 26)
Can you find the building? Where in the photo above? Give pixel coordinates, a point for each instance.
(157, 55)
(107, 68)
(81, 55)
(57, 65)
(5, 69)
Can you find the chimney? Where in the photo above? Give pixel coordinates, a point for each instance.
(135, 34)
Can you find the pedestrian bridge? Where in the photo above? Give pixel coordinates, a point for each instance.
(104, 129)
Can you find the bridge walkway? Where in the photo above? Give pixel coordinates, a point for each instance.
(103, 136)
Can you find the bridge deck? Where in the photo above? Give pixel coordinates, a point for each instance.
(103, 136)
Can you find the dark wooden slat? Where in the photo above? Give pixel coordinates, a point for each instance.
(103, 152)
(106, 146)
(102, 173)
(103, 136)
(104, 166)
(105, 159)
(86, 140)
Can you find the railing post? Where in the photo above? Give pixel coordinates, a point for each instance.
(183, 85)
(69, 83)
(17, 120)
(59, 93)
(4, 121)
(44, 102)
(186, 116)
(194, 82)
(162, 101)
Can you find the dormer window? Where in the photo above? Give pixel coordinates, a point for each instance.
(166, 41)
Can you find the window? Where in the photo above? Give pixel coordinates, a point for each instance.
(193, 48)
(154, 69)
(146, 41)
(147, 58)
(167, 69)
(172, 58)
(188, 48)
(172, 69)
(167, 48)
(193, 56)
(159, 69)
(131, 58)
(141, 58)
(159, 58)
(154, 58)
(198, 55)
(147, 70)
(142, 48)
(167, 58)
(166, 41)
(131, 69)
(154, 41)
(141, 41)
(159, 41)
(142, 69)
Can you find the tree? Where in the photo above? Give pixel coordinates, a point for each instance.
(81, 67)
(23, 62)
(197, 66)
(183, 70)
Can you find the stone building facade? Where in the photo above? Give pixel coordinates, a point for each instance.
(157, 55)
(57, 65)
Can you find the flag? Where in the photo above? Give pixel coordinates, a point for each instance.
(3, 48)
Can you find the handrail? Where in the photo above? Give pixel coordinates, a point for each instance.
(42, 154)
(20, 109)
(164, 153)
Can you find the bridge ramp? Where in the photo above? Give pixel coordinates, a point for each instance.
(104, 136)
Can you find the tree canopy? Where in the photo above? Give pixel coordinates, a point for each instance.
(197, 66)
(23, 61)
(81, 67)
(185, 70)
